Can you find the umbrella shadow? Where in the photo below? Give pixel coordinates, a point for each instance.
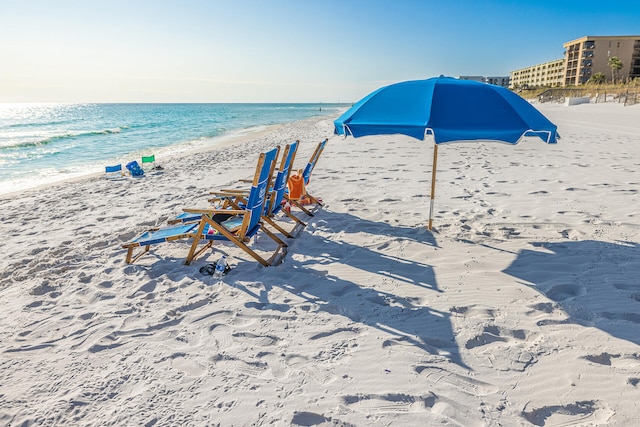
(352, 224)
(370, 257)
(595, 283)
(341, 290)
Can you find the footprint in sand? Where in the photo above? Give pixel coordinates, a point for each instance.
(346, 331)
(106, 343)
(239, 366)
(259, 340)
(587, 411)
(545, 307)
(466, 384)
(42, 289)
(492, 334)
(389, 403)
(627, 317)
(601, 359)
(626, 286)
(309, 419)
(188, 366)
(565, 292)
(516, 354)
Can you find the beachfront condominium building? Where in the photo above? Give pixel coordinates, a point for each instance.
(583, 58)
(546, 74)
(586, 56)
(498, 81)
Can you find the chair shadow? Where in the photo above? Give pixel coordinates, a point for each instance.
(595, 283)
(407, 320)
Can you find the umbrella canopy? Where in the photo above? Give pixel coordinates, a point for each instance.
(451, 110)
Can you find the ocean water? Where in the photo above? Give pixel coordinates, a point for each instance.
(43, 143)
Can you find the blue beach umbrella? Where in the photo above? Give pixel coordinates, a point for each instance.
(450, 110)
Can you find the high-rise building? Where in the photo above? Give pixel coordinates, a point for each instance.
(586, 56)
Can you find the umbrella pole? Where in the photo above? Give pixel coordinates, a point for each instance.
(433, 184)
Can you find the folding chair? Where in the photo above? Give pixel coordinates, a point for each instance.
(149, 161)
(276, 195)
(235, 225)
(134, 169)
(244, 223)
(113, 171)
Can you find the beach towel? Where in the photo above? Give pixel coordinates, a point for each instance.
(135, 169)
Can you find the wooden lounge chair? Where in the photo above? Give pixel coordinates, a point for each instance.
(278, 191)
(237, 199)
(244, 223)
(306, 175)
(276, 197)
(224, 199)
(239, 224)
(155, 236)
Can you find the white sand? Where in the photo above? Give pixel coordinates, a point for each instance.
(521, 308)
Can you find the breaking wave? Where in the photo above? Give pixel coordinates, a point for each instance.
(64, 136)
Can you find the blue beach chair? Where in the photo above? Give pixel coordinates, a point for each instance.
(134, 169)
(245, 222)
(277, 195)
(113, 171)
(234, 225)
(237, 198)
(155, 236)
(224, 199)
(306, 174)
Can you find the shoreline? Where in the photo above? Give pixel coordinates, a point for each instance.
(173, 152)
(225, 140)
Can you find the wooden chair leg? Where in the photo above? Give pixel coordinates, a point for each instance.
(272, 223)
(193, 252)
(131, 258)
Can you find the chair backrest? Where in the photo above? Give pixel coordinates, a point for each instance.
(306, 174)
(258, 193)
(280, 182)
(113, 171)
(135, 169)
(148, 159)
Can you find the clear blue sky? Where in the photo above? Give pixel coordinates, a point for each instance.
(277, 50)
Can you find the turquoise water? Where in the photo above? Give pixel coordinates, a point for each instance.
(42, 143)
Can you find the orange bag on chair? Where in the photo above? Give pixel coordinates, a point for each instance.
(296, 186)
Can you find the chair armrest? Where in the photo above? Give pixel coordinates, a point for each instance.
(229, 191)
(228, 194)
(215, 211)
